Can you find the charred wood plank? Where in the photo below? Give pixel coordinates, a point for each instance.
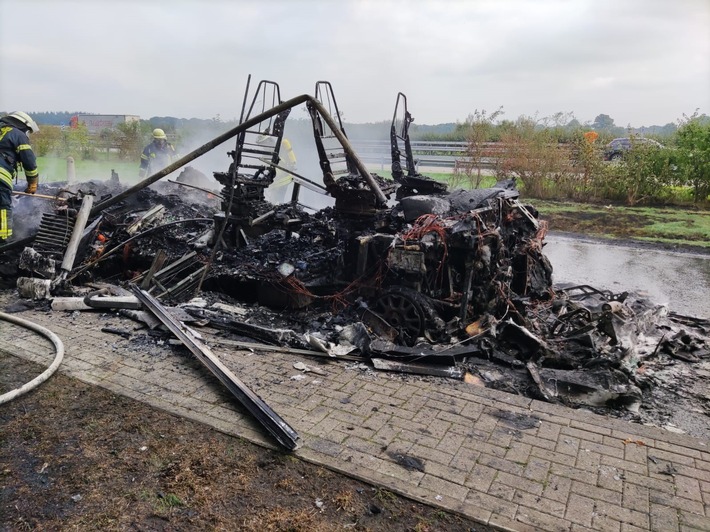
(157, 264)
(535, 374)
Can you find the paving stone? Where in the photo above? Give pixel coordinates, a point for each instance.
(549, 430)
(519, 483)
(540, 503)
(501, 491)
(420, 437)
(439, 486)
(579, 528)
(610, 478)
(688, 488)
(324, 446)
(623, 515)
(387, 434)
(462, 420)
(572, 472)
(537, 469)
(663, 518)
(626, 527)
(541, 521)
(450, 443)
(605, 523)
(347, 418)
(672, 456)
(588, 461)
(501, 464)
(616, 450)
(693, 472)
(693, 521)
(518, 452)
(501, 437)
(452, 474)
(636, 497)
(589, 427)
(406, 424)
(480, 478)
(495, 505)
(542, 444)
(596, 493)
(465, 459)
(554, 457)
(673, 501)
(582, 434)
(580, 509)
(557, 488)
(364, 446)
(622, 466)
(432, 454)
(484, 447)
(375, 422)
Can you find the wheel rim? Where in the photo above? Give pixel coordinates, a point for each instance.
(403, 314)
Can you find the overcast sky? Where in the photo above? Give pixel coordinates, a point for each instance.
(643, 62)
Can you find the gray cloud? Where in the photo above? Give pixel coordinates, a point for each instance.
(642, 62)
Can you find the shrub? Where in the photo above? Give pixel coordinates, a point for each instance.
(533, 155)
(693, 155)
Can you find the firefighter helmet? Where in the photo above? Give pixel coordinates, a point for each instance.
(24, 119)
(159, 134)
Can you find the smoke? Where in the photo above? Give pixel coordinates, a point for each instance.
(27, 212)
(299, 134)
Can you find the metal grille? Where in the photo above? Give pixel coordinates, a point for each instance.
(54, 233)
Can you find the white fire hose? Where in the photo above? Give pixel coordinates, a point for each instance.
(58, 345)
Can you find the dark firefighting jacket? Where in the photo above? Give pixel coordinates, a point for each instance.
(15, 152)
(156, 157)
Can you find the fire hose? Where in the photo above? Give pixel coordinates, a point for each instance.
(59, 356)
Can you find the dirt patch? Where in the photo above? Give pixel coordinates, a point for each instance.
(74, 456)
(595, 223)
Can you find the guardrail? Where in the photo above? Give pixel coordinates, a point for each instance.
(438, 154)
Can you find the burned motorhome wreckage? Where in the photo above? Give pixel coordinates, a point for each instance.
(402, 274)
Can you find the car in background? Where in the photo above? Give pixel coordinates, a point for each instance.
(615, 150)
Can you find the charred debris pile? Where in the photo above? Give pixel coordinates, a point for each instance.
(405, 275)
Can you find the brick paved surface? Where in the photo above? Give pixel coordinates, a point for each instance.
(501, 459)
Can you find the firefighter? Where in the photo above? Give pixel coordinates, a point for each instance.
(157, 155)
(15, 153)
(283, 179)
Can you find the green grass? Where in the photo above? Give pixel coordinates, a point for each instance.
(443, 177)
(687, 226)
(55, 169)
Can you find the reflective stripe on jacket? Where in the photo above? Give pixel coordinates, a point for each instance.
(5, 213)
(15, 150)
(156, 157)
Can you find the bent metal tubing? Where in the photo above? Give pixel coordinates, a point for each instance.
(288, 104)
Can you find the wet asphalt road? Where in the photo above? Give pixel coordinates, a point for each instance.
(679, 280)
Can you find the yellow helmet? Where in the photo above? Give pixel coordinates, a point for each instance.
(159, 134)
(24, 118)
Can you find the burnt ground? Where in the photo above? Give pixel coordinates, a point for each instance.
(78, 457)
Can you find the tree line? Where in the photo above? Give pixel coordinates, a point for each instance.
(553, 157)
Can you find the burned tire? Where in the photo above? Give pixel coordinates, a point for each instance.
(402, 312)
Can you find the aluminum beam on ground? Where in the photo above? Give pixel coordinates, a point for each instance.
(269, 419)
